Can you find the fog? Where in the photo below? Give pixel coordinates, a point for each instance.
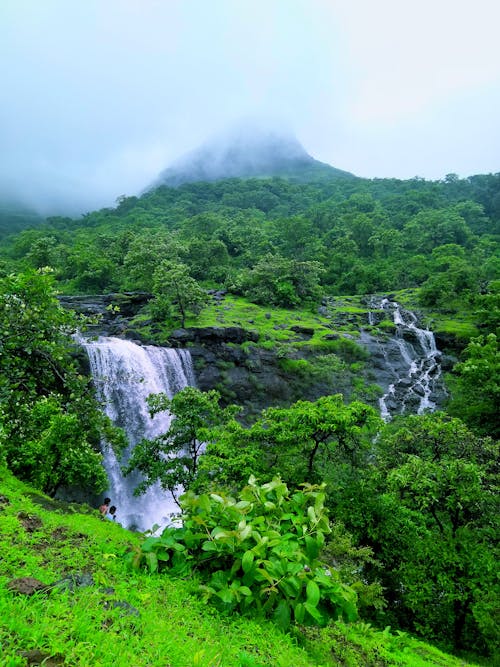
(98, 98)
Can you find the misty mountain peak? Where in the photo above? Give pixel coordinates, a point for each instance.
(247, 151)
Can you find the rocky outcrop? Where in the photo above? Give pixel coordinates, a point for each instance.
(233, 360)
(244, 374)
(210, 336)
(111, 312)
(406, 363)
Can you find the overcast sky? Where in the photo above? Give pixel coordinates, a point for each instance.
(98, 96)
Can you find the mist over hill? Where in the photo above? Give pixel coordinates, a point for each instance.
(248, 152)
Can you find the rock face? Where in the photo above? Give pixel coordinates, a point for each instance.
(232, 360)
(249, 376)
(112, 311)
(406, 362)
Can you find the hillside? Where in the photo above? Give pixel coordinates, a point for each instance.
(248, 153)
(289, 298)
(96, 612)
(15, 216)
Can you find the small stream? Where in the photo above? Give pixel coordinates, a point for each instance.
(409, 362)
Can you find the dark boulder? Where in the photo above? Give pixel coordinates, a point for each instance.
(211, 336)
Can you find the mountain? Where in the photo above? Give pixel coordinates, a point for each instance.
(15, 216)
(249, 152)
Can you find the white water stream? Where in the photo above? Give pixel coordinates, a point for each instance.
(419, 362)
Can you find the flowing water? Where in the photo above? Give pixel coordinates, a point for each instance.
(124, 375)
(414, 360)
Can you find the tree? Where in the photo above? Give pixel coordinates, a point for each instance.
(145, 253)
(299, 442)
(172, 458)
(176, 293)
(306, 437)
(476, 386)
(277, 281)
(50, 423)
(207, 259)
(429, 514)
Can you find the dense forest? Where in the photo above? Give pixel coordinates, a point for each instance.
(279, 242)
(412, 535)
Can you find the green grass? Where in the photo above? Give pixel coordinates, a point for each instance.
(97, 625)
(459, 324)
(271, 323)
(274, 324)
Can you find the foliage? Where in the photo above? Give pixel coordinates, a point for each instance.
(280, 242)
(175, 293)
(282, 282)
(476, 386)
(258, 555)
(299, 441)
(93, 625)
(172, 458)
(50, 424)
(421, 494)
(429, 509)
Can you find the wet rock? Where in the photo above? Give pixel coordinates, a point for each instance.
(406, 364)
(128, 609)
(305, 332)
(26, 586)
(74, 580)
(36, 657)
(211, 336)
(30, 522)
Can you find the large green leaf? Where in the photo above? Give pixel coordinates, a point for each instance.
(314, 613)
(247, 561)
(312, 547)
(299, 612)
(313, 594)
(282, 615)
(152, 561)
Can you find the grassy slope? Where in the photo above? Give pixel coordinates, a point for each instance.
(48, 540)
(273, 324)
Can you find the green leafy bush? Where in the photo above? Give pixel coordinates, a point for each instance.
(257, 555)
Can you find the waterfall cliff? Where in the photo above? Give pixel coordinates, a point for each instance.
(124, 375)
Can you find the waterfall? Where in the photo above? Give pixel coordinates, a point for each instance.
(413, 359)
(125, 374)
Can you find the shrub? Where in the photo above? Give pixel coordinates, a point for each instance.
(257, 555)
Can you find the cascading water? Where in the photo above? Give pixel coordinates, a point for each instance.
(413, 359)
(124, 375)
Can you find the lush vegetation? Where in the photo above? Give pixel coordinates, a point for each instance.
(98, 611)
(50, 423)
(280, 243)
(422, 496)
(302, 513)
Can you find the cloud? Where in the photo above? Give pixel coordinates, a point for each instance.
(407, 57)
(99, 97)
